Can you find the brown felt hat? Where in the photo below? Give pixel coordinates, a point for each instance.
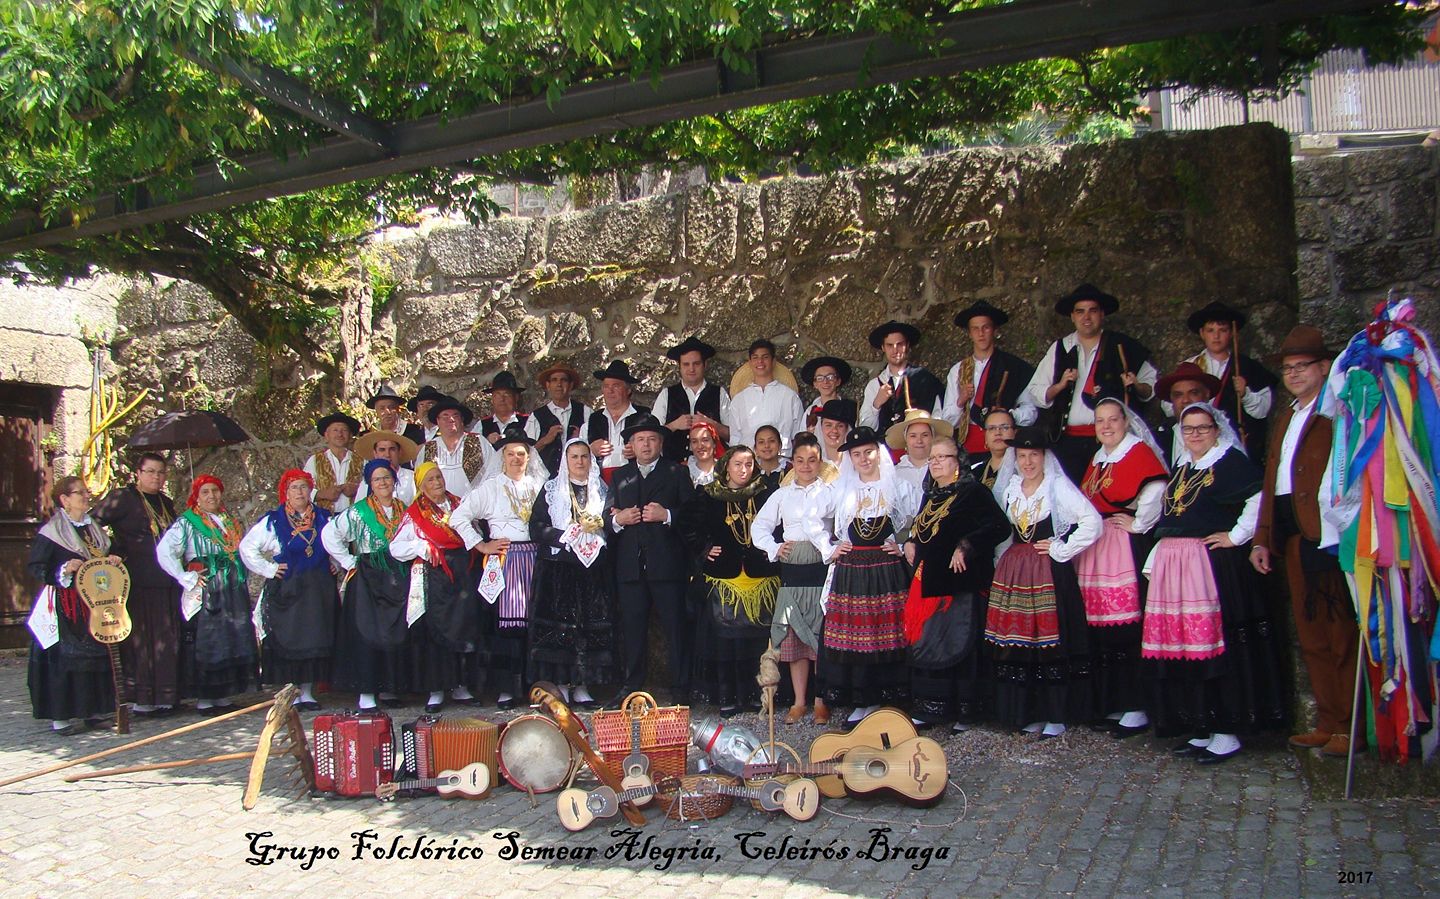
(1303, 340)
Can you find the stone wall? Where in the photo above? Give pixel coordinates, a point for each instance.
(1367, 224)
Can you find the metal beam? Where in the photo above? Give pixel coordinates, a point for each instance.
(968, 41)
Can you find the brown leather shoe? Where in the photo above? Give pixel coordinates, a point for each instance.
(795, 715)
(1339, 746)
(822, 712)
(1313, 740)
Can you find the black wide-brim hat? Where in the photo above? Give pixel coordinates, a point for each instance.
(428, 392)
(618, 368)
(386, 392)
(333, 417)
(514, 433)
(1215, 312)
(691, 344)
(1066, 304)
(997, 316)
(505, 381)
(1031, 437)
(909, 332)
(861, 436)
(641, 421)
(842, 368)
(839, 410)
(449, 402)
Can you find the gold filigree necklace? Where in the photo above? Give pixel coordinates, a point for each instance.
(1183, 491)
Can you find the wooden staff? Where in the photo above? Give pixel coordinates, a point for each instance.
(1005, 376)
(161, 766)
(1125, 368)
(135, 744)
(1234, 372)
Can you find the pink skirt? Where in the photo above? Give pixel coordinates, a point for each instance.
(1182, 609)
(1108, 580)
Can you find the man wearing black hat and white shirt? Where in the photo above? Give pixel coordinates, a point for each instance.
(560, 418)
(386, 404)
(606, 427)
(504, 395)
(334, 469)
(997, 379)
(900, 385)
(1083, 365)
(460, 455)
(421, 430)
(1217, 325)
(651, 563)
(837, 417)
(693, 400)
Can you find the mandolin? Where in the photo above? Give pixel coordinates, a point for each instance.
(470, 782)
(914, 770)
(577, 808)
(800, 799)
(880, 729)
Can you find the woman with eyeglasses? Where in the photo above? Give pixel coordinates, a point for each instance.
(827, 374)
(69, 675)
(999, 428)
(1209, 650)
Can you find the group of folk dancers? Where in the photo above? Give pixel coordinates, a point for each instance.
(1006, 543)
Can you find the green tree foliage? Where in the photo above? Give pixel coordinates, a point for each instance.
(113, 95)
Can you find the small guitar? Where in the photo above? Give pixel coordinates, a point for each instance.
(578, 808)
(881, 728)
(914, 770)
(637, 763)
(470, 782)
(104, 587)
(573, 730)
(800, 799)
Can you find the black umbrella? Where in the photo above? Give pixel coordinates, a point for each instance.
(186, 430)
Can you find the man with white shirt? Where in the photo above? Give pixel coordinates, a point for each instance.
(421, 430)
(765, 401)
(606, 427)
(900, 385)
(837, 417)
(997, 379)
(1082, 366)
(504, 393)
(693, 400)
(1290, 526)
(399, 451)
(1239, 375)
(460, 455)
(561, 418)
(386, 404)
(914, 434)
(335, 470)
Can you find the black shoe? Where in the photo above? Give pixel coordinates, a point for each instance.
(433, 708)
(71, 729)
(619, 698)
(729, 711)
(308, 705)
(1186, 748)
(1104, 725)
(1214, 758)
(215, 710)
(1045, 736)
(1121, 732)
(394, 702)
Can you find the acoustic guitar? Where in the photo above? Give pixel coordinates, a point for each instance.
(104, 587)
(470, 782)
(578, 809)
(915, 770)
(880, 729)
(800, 799)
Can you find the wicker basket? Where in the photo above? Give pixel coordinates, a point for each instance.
(693, 802)
(664, 735)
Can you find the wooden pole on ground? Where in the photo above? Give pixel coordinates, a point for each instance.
(160, 766)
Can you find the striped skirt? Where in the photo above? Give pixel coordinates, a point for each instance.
(514, 603)
(1022, 610)
(865, 613)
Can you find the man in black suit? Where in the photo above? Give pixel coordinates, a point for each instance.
(642, 514)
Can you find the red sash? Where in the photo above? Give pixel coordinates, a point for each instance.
(975, 436)
(433, 527)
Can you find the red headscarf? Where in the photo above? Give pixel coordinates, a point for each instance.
(201, 482)
(714, 435)
(291, 476)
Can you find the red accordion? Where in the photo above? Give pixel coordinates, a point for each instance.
(354, 752)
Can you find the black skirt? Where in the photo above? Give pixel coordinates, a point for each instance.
(727, 651)
(572, 623)
(440, 642)
(299, 614)
(946, 674)
(225, 660)
(866, 611)
(72, 678)
(372, 633)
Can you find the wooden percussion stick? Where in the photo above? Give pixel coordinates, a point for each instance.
(135, 744)
(1126, 367)
(161, 766)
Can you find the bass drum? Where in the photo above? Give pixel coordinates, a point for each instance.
(535, 756)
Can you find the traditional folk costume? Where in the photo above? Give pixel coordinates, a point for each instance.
(804, 516)
(504, 505)
(701, 476)
(1035, 620)
(151, 655)
(572, 603)
(913, 387)
(1254, 407)
(863, 652)
(442, 590)
(986, 472)
(773, 404)
(775, 476)
(463, 465)
(711, 400)
(1126, 480)
(69, 680)
(815, 408)
(999, 381)
(945, 609)
(570, 416)
(372, 631)
(295, 616)
(734, 594)
(329, 470)
(1209, 648)
(225, 661)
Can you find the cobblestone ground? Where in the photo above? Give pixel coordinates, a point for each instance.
(1084, 814)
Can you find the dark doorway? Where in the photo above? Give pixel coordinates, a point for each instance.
(27, 414)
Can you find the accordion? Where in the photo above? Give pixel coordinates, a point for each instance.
(433, 745)
(354, 752)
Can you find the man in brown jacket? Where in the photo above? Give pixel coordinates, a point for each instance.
(1289, 526)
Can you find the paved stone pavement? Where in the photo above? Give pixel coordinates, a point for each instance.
(1084, 815)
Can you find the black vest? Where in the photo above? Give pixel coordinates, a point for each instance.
(677, 443)
(924, 390)
(550, 453)
(599, 426)
(1109, 369)
(489, 426)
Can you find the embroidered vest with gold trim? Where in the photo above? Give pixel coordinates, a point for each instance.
(472, 454)
(325, 475)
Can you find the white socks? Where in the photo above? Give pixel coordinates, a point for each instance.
(1053, 729)
(61, 724)
(580, 694)
(504, 697)
(1113, 716)
(1033, 728)
(305, 694)
(1200, 742)
(367, 701)
(141, 708)
(436, 698)
(205, 704)
(1223, 744)
(1134, 719)
(461, 694)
